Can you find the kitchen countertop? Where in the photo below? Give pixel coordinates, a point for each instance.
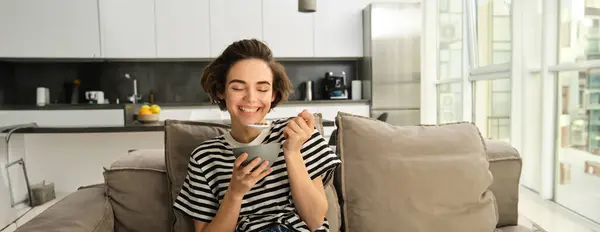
(162, 105)
(134, 127)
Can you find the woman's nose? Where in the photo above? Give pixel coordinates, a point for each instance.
(251, 95)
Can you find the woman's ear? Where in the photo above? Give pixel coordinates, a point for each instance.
(273, 98)
(221, 96)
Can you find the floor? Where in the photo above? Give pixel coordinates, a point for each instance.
(580, 190)
(534, 212)
(551, 216)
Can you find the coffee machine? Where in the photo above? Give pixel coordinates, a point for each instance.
(336, 86)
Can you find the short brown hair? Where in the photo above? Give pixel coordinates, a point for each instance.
(214, 76)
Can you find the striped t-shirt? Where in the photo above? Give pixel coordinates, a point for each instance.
(270, 200)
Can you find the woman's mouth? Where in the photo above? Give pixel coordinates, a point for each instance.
(248, 109)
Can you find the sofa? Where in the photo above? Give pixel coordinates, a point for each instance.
(139, 188)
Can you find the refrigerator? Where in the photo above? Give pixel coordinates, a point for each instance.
(391, 67)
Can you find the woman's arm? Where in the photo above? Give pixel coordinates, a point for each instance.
(226, 218)
(242, 180)
(309, 195)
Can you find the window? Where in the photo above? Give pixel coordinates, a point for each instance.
(490, 72)
(493, 32)
(579, 30)
(578, 141)
(450, 103)
(450, 40)
(492, 108)
(450, 61)
(577, 107)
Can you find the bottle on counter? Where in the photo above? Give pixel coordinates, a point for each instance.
(308, 91)
(75, 92)
(151, 97)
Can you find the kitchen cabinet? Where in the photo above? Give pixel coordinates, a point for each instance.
(288, 33)
(182, 29)
(127, 29)
(232, 20)
(54, 29)
(63, 118)
(338, 28)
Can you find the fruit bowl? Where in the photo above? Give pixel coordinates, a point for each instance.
(148, 114)
(147, 118)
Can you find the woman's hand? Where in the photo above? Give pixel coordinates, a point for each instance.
(298, 131)
(243, 178)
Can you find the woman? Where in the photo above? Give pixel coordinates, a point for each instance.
(219, 193)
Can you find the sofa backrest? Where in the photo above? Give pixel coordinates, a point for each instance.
(143, 172)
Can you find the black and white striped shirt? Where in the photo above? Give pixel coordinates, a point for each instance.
(270, 200)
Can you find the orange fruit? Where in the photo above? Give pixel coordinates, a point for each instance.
(145, 112)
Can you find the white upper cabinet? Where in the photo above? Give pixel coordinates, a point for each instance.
(288, 33)
(127, 29)
(232, 20)
(55, 29)
(338, 28)
(182, 29)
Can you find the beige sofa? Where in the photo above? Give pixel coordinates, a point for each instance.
(138, 190)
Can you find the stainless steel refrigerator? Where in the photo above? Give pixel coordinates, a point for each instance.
(391, 67)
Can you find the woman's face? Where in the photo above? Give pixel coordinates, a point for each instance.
(249, 91)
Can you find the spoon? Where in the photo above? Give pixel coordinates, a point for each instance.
(260, 125)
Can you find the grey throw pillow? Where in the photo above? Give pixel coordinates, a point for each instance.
(131, 182)
(414, 178)
(181, 138)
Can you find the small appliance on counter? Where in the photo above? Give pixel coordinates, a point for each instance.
(95, 97)
(336, 86)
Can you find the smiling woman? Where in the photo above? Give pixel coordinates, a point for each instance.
(223, 193)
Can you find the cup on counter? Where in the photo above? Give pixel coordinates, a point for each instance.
(356, 90)
(42, 96)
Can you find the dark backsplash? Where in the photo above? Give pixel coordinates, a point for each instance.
(5, 83)
(171, 82)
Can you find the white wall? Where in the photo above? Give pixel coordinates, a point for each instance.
(19, 193)
(75, 160)
(7, 214)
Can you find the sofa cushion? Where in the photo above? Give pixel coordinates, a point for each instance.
(333, 214)
(414, 178)
(181, 138)
(505, 165)
(87, 209)
(131, 183)
(514, 229)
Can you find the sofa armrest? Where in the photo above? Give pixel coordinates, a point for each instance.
(87, 209)
(505, 166)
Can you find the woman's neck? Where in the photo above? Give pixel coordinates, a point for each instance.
(243, 133)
